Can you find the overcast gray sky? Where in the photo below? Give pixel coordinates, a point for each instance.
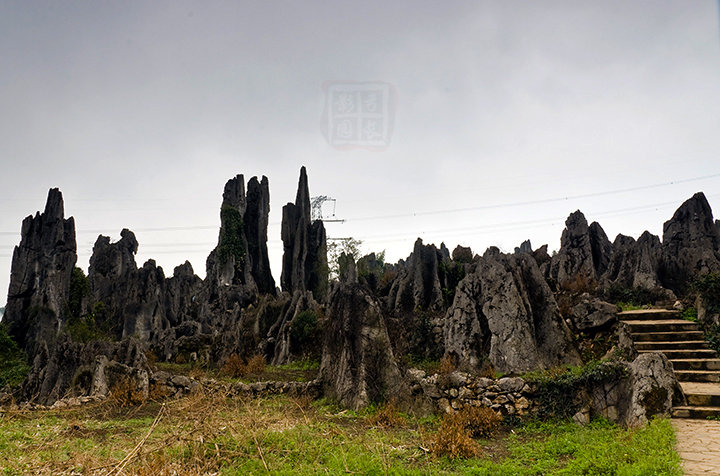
(509, 116)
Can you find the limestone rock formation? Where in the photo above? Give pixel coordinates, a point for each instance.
(691, 244)
(358, 365)
(462, 254)
(525, 247)
(418, 285)
(583, 256)
(592, 314)
(649, 389)
(288, 337)
(41, 270)
(70, 367)
(256, 224)
(505, 313)
(634, 264)
(305, 266)
(133, 299)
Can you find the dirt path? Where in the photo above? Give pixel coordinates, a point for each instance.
(698, 443)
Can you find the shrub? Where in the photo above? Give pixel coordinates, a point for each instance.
(256, 365)
(303, 331)
(13, 363)
(453, 440)
(387, 416)
(234, 367)
(481, 422)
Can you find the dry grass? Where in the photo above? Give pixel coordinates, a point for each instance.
(453, 440)
(387, 416)
(235, 367)
(448, 365)
(125, 393)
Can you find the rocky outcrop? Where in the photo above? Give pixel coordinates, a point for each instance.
(132, 299)
(648, 389)
(635, 264)
(591, 314)
(305, 266)
(256, 224)
(583, 256)
(42, 266)
(505, 313)
(68, 367)
(691, 244)
(358, 365)
(289, 337)
(525, 247)
(418, 286)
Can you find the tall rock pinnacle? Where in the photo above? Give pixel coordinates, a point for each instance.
(40, 275)
(305, 265)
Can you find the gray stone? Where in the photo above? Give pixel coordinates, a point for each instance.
(691, 244)
(42, 265)
(358, 365)
(305, 266)
(592, 314)
(506, 313)
(511, 384)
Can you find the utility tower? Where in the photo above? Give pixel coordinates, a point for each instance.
(316, 209)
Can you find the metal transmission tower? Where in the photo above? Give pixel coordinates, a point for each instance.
(316, 212)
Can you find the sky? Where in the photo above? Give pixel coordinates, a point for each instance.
(474, 123)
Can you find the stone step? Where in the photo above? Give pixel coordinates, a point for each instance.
(669, 325)
(666, 336)
(698, 376)
(685, 353)
(659, 346)
(702, 400)
(696, 412)
(696, 364)
(648, 314)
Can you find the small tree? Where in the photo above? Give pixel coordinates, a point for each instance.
(336, 247)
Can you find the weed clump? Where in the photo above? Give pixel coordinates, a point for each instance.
(388, 416)
(481, 422)
(454, 440)
(235, 367)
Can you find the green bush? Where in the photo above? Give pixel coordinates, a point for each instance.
(708, 286)
(630, 296)
(303, 331)
(13, 362)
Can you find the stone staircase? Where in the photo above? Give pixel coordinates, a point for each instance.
(697, 367)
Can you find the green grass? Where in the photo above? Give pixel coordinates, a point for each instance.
(209, 433)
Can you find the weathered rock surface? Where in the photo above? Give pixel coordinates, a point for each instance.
(505, 313)
(649, 389)
(305, 266)
(282, 343)
(592, 314)
(635, 264)
(42, 266)
(71, 367)
(418, 285)
(525, 247)
(583, 256)
(358, 365)
(691, 244)
(256, 224)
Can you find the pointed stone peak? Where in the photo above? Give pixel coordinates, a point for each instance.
(54, 207)
(302, 199)
(234, 193)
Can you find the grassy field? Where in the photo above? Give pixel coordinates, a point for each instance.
(210, 434)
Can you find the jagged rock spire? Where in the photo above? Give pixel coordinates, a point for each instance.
(305, 265)
(40, 274)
